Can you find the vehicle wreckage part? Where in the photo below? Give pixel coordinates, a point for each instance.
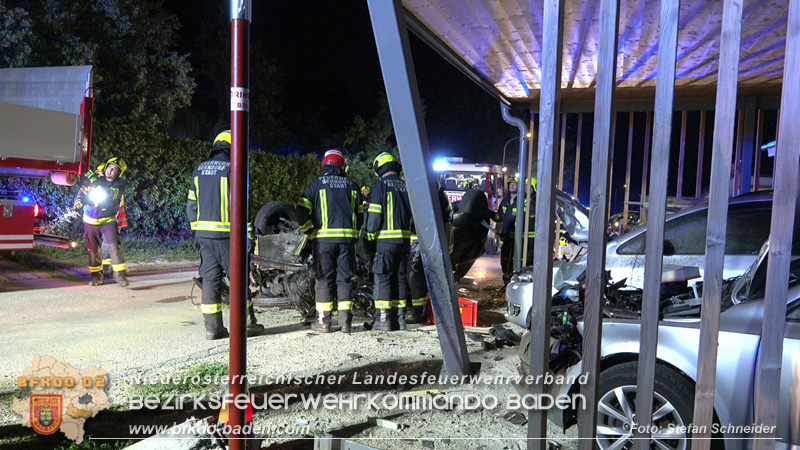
(275, 217)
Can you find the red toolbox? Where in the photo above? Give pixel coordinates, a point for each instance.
(469, 312)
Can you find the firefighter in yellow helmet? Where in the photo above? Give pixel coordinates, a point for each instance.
(330, 211)
(102, 200)
(208, 210)
(389, 233)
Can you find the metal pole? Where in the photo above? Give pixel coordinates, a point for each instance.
(394, 52)
(241, 15)
(523, 164)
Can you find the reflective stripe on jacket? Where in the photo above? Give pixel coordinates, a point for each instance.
(389, 214)
(208, 202)
(331, 207)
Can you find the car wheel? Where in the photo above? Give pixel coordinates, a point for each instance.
(275, 217)
(673, 403)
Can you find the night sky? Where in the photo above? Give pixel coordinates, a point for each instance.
(328, 53)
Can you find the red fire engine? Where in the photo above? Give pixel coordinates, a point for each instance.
(46, 130)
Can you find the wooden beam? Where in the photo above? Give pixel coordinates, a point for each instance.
(748, 143)
(525, 187)
(781, 233)
(701, 145)
(598, 219)
(611, 158)
(682, 155)
(759, 139)
(659, 170)
(737, 161)
(628, 171)
(578, 156)
(645, 166)
(717, 220)
(550, 109)
(563, 148)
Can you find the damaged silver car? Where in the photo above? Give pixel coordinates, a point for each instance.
(676, 368)
(749, 219)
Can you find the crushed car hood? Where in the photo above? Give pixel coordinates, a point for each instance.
(574, 217)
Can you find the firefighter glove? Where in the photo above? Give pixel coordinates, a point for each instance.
(78, 203)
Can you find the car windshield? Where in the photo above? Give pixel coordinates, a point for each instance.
(751, 285)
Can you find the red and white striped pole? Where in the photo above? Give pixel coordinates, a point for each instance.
(241, 15)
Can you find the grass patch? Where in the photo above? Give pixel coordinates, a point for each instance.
(89, 444)
(196, 379)
(137, 249)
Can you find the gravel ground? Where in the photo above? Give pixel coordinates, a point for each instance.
(295, 351)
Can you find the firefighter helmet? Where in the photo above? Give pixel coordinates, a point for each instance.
(384, 163)
(117, 161)
(222, 143)
(334, 156)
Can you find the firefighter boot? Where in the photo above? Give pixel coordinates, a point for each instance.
(419, 314)
(253, 327)
(323, 322)
(346, 321)
(401, 319)
(97, 279)
(122, 278)
(214, 328)
(383, 320)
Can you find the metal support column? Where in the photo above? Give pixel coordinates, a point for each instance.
(549, 111)
(523, 164)
(394, 52)
(241, 15)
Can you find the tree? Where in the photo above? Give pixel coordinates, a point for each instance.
(137, 78)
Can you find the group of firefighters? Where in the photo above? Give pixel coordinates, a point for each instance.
(331, 211)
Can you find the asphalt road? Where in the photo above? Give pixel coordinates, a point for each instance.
(153, 323)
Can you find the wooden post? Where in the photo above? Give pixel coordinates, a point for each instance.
(737, 161)
(611, 159)
(647, 133)
(759, 139)
(717, 220)
(682, 156)
(701, 145)
(659, 170)
(563, 149)
(785, 199)
(628, 172)
(533, 149)
(578, 156)
(748, 144)
(598, 218)
(549, 110)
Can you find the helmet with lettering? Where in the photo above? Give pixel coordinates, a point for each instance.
(334, 156)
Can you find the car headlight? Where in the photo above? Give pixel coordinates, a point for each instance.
(522, 277)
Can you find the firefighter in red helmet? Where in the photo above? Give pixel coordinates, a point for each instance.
(330, 211)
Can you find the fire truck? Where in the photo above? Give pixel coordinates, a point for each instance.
(46, 130)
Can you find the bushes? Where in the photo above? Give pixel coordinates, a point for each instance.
(158, 178)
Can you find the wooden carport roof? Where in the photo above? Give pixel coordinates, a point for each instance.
(498, 45)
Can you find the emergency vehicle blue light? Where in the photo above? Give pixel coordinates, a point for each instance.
(26, 199)
(440, 164)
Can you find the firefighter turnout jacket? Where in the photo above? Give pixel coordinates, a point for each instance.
(208, 203)
(331, 207)
(103, 202)
(389, 212)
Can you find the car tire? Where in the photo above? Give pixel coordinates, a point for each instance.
(618, 384)
(274, 217)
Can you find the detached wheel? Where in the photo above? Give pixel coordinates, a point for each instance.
(274, 218)
(673, 403)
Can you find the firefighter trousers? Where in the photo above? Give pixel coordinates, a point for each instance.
(93, 235)
(334, 268)
(417, 284)
(390, 266)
